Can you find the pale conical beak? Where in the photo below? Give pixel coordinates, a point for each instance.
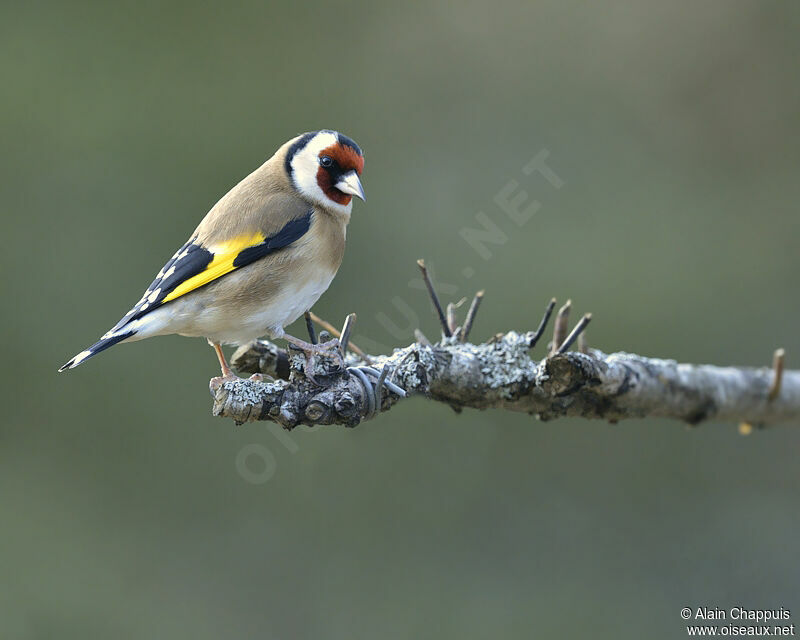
(351, 185)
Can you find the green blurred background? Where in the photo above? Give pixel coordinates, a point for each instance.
(125, 512)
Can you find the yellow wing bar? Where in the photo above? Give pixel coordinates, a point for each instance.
(224, 256)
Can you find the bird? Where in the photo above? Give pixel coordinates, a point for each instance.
(260, 258)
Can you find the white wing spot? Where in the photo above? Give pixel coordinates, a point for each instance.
(80, 358)
(169, 272)
(153, 296)
(144, 306)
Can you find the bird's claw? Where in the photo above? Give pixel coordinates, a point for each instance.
(217, 382)
(331, 349)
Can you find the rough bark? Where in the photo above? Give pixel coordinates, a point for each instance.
(500, 374)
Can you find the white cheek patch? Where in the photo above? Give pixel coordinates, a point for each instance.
(305, 165)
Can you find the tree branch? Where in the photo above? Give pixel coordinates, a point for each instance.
(500, 374)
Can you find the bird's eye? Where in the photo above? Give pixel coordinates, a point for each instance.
(326, 161)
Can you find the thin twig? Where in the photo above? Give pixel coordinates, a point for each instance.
(560, 326)
(473, 311)
(543, 324)
(420, 337)
(344, 337)
(434, 298)
(777, 368)
(335, 332)
(452, 321)
(586, 319)
(312, 334)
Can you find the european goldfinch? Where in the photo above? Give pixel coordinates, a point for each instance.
(260, 258)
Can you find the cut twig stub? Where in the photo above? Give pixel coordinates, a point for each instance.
(344, 336)
(542, 324)
(336, 333)
(452, 321)
(560, 326)
(585, 320)
(777, 373)
(421, 338)
(583, 345)
(470, 319)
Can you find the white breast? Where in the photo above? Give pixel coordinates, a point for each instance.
(291, 304)
(282, 310)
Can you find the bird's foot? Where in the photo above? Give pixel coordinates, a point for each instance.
(216, 383)
(330, 349)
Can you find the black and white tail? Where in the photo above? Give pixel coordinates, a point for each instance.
(103, 344)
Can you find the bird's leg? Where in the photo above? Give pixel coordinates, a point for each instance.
(223, 363)
(330, 348)
(227, 374)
